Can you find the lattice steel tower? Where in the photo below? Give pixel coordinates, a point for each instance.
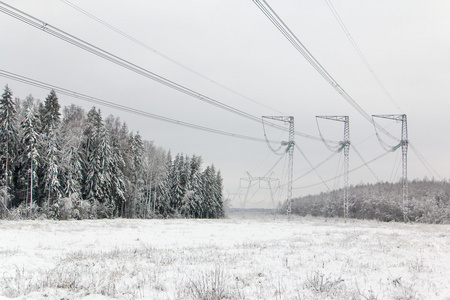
(290, 150)
(404, 144)
(343, 145)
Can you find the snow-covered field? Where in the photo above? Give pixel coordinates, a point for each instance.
(241, 257)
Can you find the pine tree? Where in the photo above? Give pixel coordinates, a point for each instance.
(8, 143)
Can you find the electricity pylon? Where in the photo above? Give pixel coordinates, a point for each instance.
(290, 150)
(343, 145)
(269, 179)
(404, 144)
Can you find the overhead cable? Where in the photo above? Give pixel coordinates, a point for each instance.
(124, 108)
(366, 164)
(360, 53)
(131, 38)
(292, 38)
(315, 167)
(350, 171)
(310, 164)
(39, 24)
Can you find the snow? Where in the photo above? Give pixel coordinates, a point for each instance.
(241, 257)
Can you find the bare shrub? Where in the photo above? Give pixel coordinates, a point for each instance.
(321, 284)
(65, 207)
(210, 286)
(25, 211)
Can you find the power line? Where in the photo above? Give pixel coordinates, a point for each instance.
(52, 30)
(312, 167)
(424, 161)
(350, 171)
(131, 38)
(360, 53)
(366, 164)
(124, 108)
(292, 38)
(315, 167)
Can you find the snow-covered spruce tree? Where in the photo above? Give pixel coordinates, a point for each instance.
(49, 113)
(118, 188)
(137, 150)
(212, 201)
(207, 192)
(194, 185)
(30, 155)
(163, 189)
(8, 145)
(219, 210)
(188, 195)
(50, 149)
(178, 178)
(97, 165)
(127, 170)
(73, 123)
(50, 160)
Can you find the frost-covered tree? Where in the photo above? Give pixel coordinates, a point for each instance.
(136, 152)
(50, 149)
(74, 119)
(163, 189)
(49, 113)
(219, 210)
(8, 143)
(178, 180)
(195, 185)
(97, 161)
(30, 140)
(212, 193)
(118, 172)
(51, 158)
(118, 187)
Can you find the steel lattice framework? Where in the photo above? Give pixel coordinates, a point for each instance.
(268, 179)
(290, 150)
(343, 145)
(404, 145)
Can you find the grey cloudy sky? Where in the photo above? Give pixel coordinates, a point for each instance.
(231, 42)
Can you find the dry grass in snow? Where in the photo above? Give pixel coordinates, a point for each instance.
(241, 257)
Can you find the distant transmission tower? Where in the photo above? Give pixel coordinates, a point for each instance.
(343, 145)
(290, 150)
(404, 144)
(269, 179)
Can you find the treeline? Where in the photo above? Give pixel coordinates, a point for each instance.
(77, 165)
(429, 202)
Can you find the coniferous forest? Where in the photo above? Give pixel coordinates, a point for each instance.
(66, 163)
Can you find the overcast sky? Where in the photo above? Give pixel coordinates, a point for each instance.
(232, 43)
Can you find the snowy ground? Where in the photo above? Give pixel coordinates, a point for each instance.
(241, 257)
